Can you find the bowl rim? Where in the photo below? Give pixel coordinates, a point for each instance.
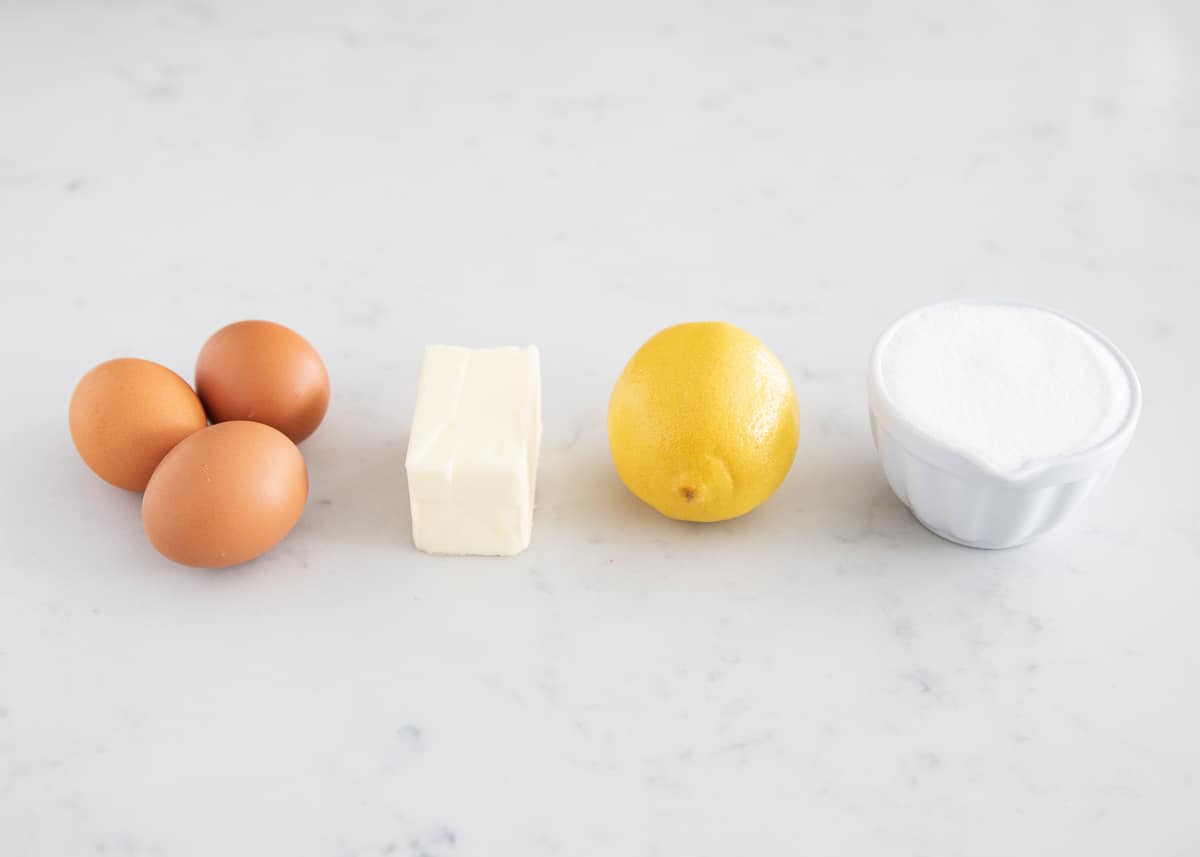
(1059, 468)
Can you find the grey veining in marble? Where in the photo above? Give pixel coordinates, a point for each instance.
(822, 676)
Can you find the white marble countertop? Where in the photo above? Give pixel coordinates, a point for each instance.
(820, 677)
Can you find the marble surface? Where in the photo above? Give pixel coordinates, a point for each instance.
(820, 677)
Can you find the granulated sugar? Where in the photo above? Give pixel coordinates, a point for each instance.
(1011, 385)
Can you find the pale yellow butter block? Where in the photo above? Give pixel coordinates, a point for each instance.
(473, 451)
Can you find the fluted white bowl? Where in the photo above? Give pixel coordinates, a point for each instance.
(959, 497)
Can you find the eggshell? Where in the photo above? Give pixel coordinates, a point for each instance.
(126, 414)
(225, 495)
(262, 371)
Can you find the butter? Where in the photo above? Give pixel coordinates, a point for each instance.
(473, 451)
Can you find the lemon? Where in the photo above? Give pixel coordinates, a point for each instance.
(703, 422)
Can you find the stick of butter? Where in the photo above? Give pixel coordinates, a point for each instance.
(473, 451)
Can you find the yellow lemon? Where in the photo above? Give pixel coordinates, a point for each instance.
(703, 422)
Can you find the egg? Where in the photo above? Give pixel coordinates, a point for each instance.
(262, 371)
(225, 495)
(126, 414)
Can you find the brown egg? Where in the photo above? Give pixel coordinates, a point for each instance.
(127, 414)
(262, 371)
(225, 495)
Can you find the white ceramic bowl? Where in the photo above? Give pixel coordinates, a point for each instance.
(960, 498)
